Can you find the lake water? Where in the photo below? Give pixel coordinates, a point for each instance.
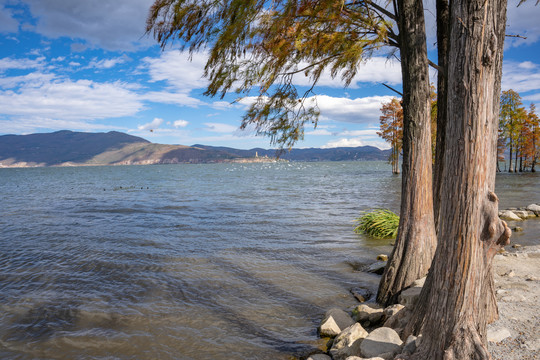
(217, 261)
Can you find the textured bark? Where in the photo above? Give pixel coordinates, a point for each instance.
(416, 240)
(443, 34)
(458, 300)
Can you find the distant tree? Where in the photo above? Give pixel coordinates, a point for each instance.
(531, 134)
(511, 117)
(392, 130)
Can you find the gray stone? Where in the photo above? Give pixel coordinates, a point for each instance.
(334, 322)
(377, 268)
(392, 310)
(534, 208)
(361, 294)
(368, 312)
(410, 345)
(498, 334)
(348, 342)
(522, 214)
(409, 297)
(399, 320)
(319, 357)
(380, 341)
(361, 358)
(509, 216)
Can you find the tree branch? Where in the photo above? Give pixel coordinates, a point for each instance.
(394, 90)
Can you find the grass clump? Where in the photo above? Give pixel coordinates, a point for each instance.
(378, 223)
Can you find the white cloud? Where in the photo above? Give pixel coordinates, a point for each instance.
(106, 63)
(7, 23)
(355, 142)
(369, 132)
(522, 20)
(359, 110)
(9, 63)
(521, 77)
(220, 128)
(180, 123)
(45, 101)
(176, 98)
(375, 70)
(112, 25)
(318, 132)
(176, 69)
(154, 124)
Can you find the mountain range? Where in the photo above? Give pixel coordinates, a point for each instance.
(68, 148)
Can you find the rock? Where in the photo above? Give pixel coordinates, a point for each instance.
(410, 345)
(409, 297)
(382, 257)
(361, 294)
(510, 274)
(368, 312)
(522, 214)
(516, 246)
(392, 310)
(361, 358)
(319, 357)
(517, 229)
(334, 322)
(534, 208)
(380, 341)
(509, 216)
(348, 342)
(377, 268)
(399, 320)
(419, 282)
(498, 334)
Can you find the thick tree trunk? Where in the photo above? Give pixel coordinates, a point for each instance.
(416, 240)
(443, 34)
(458, 300)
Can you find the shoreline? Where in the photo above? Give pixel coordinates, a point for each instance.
(514, 336)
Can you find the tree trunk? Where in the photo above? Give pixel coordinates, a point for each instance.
(458, 298)
(510, 167)
(443, 33)
(416, 240)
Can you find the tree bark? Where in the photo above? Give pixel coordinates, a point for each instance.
(416, 239)
(443, 34)
(458, 297)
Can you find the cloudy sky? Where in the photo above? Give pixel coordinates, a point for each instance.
(87, 66)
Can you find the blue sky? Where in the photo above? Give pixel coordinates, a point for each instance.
(87, 66)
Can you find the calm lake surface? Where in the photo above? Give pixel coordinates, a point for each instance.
(217, 261)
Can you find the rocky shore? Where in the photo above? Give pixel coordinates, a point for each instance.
(371, 332)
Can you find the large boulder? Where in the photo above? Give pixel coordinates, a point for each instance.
(348, 342)
(399, 320)
(534, 208)
(392, 310)
(409, 297)
(334, 322)
(381, 341)
(368, 314)
(523, 214)
(509, 215)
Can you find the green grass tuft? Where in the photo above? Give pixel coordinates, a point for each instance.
(378, 223)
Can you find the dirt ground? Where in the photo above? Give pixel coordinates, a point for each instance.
(516, 335)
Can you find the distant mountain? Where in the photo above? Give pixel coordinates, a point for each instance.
(366, 153)
(68, 148)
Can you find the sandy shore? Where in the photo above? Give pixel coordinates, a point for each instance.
(516, 335)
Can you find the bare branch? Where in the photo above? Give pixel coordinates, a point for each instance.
(394, 90)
